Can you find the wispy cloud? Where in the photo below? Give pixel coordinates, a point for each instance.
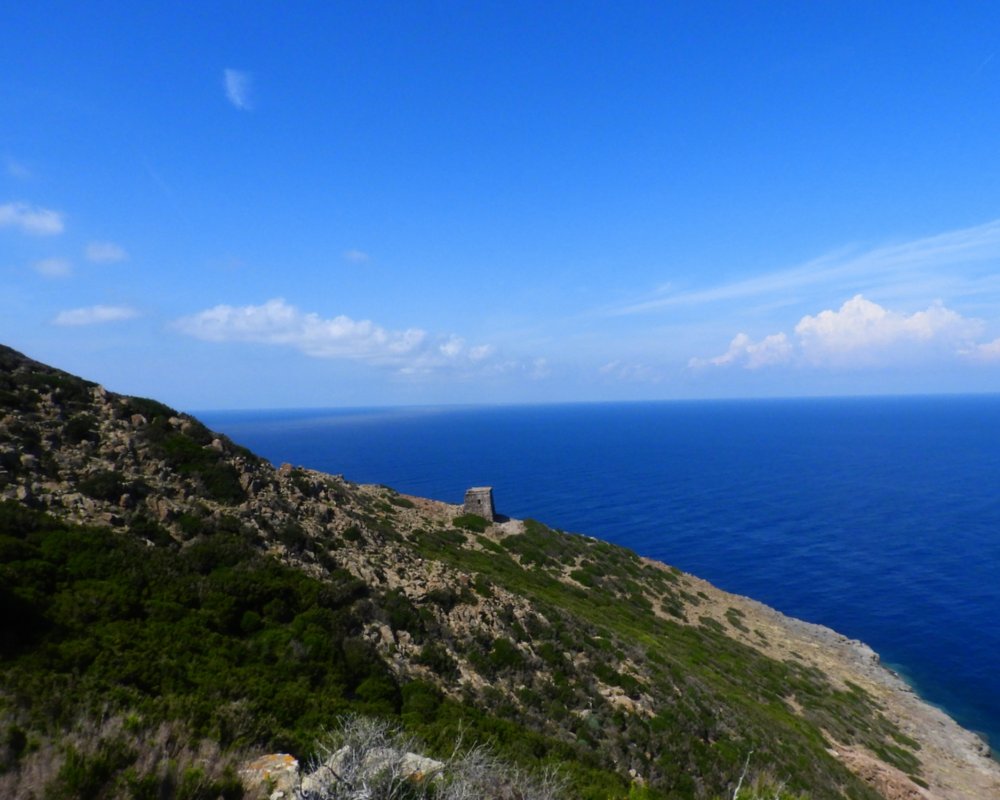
(30, 219)
(16, 169)
(54, 267)
(105, 252)
(156, 177)
(630, 372)
(94, 315)
(239, 88)
(844, 269)
(279, 323)
(860, 333)
(356, 256)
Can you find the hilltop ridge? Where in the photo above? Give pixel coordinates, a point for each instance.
(560, 648)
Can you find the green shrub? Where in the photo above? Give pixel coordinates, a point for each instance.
(401, 615)
(471, 522)
(445, 598)
(80, 428)
(505, 655)
(293, 537)
(735, 618)
(353, 534)
(108, 485)
(86, 775)
(150, 409)
(437, 659)
(219, 480)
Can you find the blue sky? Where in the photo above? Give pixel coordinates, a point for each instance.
(233, 205)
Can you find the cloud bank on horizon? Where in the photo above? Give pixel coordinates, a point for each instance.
(861, 334)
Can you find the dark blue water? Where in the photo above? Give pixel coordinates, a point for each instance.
(877, 517)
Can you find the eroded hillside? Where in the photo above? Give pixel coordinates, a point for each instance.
(559, 648)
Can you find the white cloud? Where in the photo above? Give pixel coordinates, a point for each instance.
(451, 346)
(480, 352)
(988, 351)
(860, 333)
(276, 322)
(53, 267)
(94, 315)
(863, 330)
(743, 351)
(31, 219)
(105, 252)
(239, 88)
(356, 256)
(985, 352)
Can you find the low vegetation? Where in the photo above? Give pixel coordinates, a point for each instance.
(217, 641)
(214, 608)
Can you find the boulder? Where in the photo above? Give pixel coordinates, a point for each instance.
(276, 773)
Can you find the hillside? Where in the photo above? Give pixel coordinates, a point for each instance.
(170, 599)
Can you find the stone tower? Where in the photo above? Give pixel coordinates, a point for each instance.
(479, 501)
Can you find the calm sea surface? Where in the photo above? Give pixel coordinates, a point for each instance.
(877, 517)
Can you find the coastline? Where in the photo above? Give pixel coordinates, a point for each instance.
(900, 671)
(957, 764)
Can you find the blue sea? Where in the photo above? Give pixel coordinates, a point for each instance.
(877, 517)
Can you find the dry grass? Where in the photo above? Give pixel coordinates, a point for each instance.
(369, 759)
(118, 757)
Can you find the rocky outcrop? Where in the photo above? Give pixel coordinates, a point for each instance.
(274, 775)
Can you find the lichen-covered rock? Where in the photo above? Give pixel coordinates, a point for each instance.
(275, 774)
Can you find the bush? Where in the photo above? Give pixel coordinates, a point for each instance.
(505, 655)
(437, 659)
(219, 479)
(150, 409)
(108, 485)
(79, 428)
(293, 537)
(471, 522)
